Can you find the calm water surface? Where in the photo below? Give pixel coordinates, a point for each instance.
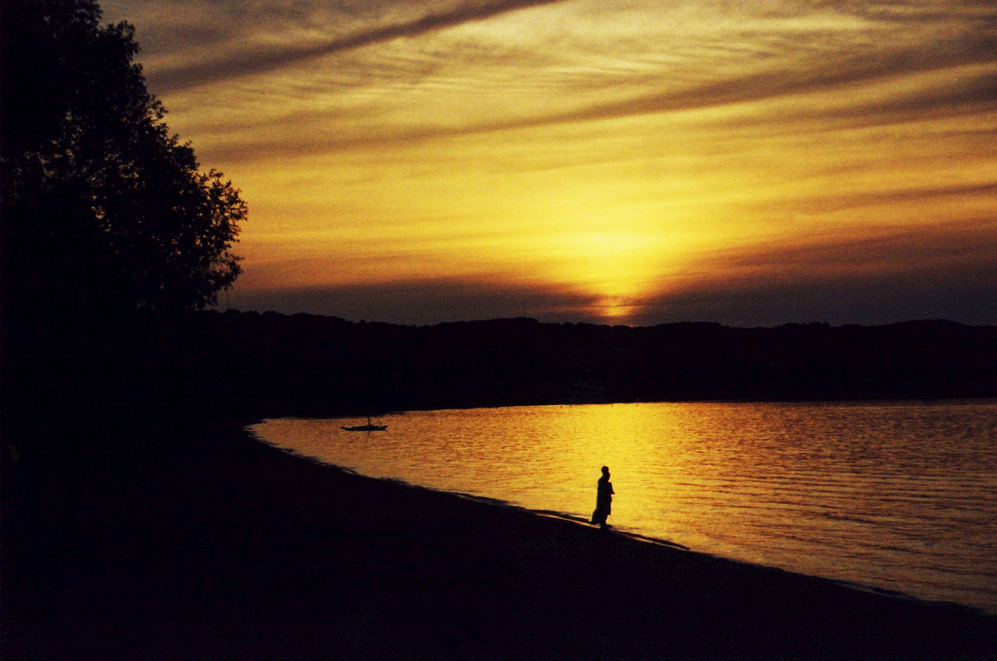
(901, 496)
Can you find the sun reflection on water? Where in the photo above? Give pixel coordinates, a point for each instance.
(897, 496)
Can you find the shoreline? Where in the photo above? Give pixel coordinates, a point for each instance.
(204, 542)
(869, 525)
(645, 539)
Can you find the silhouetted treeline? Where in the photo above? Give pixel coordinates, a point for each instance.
(245, 363)
(103, 211)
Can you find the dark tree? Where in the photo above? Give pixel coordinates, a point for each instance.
(103, 210)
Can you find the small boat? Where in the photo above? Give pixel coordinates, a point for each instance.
(366, 427)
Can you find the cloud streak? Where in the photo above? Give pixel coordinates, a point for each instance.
(975, 93)
(268, 60)
(935, 272)
(959, 78)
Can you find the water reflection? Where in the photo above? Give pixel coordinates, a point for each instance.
(901, 496)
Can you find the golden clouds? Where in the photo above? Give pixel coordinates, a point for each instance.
(606, 152)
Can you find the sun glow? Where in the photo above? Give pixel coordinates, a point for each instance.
(608, 153)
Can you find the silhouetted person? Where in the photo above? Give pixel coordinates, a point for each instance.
(603, 499)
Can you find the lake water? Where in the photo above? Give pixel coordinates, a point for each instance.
(900, 496)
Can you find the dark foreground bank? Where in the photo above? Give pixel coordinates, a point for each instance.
(201, 543)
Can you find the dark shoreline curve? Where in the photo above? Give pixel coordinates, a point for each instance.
(637, 537)
(200, 542)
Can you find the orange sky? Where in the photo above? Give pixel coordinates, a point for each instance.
(619, 161)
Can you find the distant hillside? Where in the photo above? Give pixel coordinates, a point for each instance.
(238, 363)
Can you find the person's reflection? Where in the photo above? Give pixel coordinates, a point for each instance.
(603, 500)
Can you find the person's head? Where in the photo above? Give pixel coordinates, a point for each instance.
(605, 471)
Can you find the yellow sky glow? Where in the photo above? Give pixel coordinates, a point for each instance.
(611, 150)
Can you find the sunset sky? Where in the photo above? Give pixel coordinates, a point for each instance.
(613, 161)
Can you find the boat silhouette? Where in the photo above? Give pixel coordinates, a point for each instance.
(366, 427)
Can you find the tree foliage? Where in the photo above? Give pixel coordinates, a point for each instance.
(103, 210)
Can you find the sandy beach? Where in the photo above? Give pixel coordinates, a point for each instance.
(198, 542)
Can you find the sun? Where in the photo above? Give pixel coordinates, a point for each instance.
(618, 268)
(616, 310)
